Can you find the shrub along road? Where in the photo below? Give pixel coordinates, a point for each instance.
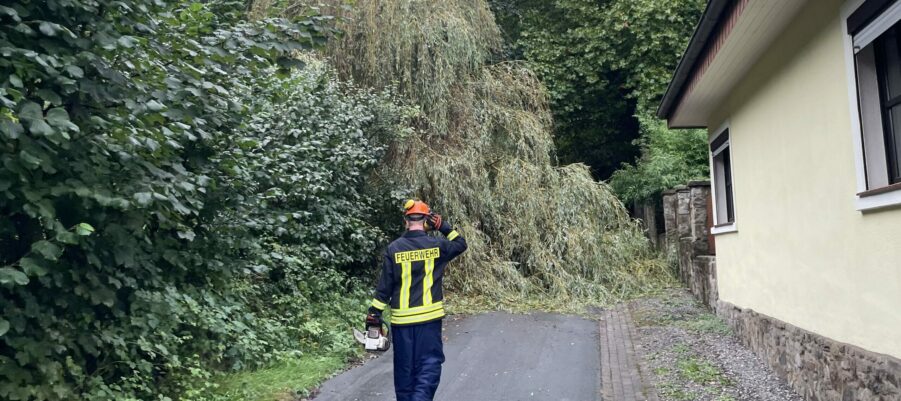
(497, 357)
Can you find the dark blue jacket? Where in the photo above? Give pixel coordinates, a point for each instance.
(412, 274)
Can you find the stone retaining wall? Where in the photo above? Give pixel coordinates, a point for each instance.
(818, 368)
(688, 244)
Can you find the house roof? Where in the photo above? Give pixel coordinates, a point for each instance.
(705, 29)
(730, 37)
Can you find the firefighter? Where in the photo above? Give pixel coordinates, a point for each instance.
(410, 282)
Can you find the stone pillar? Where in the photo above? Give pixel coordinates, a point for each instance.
(699, 191)
(649, 210)
(683, 232)
(671, 239)
(683, 211)
(686, 261)
(686, 217)
(669, 211)
(703, 280)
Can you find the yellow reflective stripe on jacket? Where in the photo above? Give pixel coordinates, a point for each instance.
(406, 280)
(417, 318)
(378, 304)
(417, 310)
(453, 235)
(427, 282)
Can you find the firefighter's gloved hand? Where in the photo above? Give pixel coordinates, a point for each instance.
(374, 317)
(439, 224)
(435, 221)
(373, 320)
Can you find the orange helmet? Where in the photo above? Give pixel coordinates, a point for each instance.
(416, 207)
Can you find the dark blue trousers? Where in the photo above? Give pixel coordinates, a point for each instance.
(418, 355)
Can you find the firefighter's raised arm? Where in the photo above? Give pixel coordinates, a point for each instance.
(455, 244)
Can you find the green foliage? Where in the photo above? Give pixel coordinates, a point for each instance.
(693, 377)
(161, 215)
(699, 371)
(579, 44)
(706, 323)
(650, 36)
(295, 215)
(602, 61)
(483, 156)
(286, 379)
(429, 59)
(299, 203)
(178, 201)
(673, 391)
(669, 158)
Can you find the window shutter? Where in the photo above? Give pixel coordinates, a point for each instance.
(865, 34)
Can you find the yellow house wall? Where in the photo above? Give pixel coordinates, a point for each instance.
(803, 253)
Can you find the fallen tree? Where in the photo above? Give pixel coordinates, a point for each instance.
(483, 155)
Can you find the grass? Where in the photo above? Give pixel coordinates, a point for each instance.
(700, 371)
(693, 368)
(696, 320)
(672, 391)
(287, 380)
(690, 367)
(706, 323)
(682, 349)
(692, 376)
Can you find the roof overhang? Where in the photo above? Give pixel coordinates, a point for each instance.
(729, 39)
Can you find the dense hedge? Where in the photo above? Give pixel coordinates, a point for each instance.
(174, 200)
(303, 203)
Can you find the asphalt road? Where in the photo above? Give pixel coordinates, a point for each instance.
(496, 357)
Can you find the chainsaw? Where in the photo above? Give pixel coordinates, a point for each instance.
(375, 339)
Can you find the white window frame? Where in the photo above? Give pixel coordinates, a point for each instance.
(722, 228)
(874, 201)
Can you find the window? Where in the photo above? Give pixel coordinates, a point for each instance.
(888, 65)
(723, 201)
(875, 29)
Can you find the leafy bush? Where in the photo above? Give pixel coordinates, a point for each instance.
(298, 206)
(669, 158)
(163, 205)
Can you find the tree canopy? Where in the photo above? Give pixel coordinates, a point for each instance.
(603, 62)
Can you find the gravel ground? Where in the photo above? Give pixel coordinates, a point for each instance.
(691, 355)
